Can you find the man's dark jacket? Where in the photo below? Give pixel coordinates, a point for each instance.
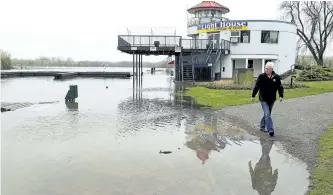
(267, 87)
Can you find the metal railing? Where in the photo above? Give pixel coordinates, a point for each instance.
(203, 20)
(204, 44)
(170, 41)
(195, 43)
(148, 40)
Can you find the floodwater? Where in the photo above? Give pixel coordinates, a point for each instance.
(110, 143)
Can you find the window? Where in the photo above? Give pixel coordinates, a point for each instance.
(240, 36)
(206, 12)
(213, 13)
(250, 64)
(269, 36)
(245, 36)
(218, 14)
(223, 69)
(234, 33)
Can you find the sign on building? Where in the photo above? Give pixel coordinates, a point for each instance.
(223, 26)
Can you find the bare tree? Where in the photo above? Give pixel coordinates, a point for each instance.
(314, 21)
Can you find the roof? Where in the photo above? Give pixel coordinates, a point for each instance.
(209, 5)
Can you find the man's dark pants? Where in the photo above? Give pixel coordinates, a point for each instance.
(266, 120)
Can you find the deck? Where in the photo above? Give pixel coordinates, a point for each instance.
(166, 45)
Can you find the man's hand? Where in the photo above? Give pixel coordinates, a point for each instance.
(281, 99)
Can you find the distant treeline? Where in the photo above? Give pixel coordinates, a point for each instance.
(44, 61)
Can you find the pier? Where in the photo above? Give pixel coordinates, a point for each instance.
(59, 75)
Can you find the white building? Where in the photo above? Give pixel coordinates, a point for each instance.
(252, 42)
(219, 48)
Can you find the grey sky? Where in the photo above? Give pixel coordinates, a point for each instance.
(88, 29)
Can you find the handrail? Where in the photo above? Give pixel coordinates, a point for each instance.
(168, 41)
(149, 40)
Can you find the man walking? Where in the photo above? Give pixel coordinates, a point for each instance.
(267, 84)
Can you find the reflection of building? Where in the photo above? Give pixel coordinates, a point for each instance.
(263, 178)
(204, 142)
(208, 133)
(219, 47)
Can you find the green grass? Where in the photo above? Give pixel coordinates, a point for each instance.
(220, 98)
(323, 171)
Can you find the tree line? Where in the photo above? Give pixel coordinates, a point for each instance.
(7, 62)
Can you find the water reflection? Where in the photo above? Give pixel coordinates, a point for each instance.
(45, 147)
(209, 133)
(203, 143)
(72, 105)
(263, 178)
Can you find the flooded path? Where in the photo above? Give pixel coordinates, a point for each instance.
(110, 143)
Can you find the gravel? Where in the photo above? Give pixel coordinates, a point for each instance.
(298, 122)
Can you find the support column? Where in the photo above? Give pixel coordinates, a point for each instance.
(136, 69)
(133, 75)
(246, 63)
(139, 65)
(141, 70)
(263, 66)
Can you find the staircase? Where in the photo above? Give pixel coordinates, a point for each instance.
(188, 72)
(209, 56)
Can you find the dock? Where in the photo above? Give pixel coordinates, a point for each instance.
(60, 75)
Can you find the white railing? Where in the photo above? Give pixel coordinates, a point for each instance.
(203, 20)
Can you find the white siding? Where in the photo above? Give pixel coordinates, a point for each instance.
(285, 49)
(283, 53)
(239, 63)
(257, 67)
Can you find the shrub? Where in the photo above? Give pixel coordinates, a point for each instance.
(316, 73)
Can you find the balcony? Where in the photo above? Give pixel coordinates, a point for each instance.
(148, 41)
(166, 45)
(203, 20)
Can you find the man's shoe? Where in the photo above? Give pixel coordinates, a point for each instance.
(263, 130)
(271, 133)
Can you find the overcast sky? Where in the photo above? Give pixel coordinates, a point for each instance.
(88, 29)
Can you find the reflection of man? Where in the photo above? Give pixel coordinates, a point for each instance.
(263, 180)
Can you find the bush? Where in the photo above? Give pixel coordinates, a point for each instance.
(316, 73)
(212, 85)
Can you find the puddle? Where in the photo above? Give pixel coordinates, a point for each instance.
(111, 143)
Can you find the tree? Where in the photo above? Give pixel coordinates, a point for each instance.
(314, 21)
(6, 62)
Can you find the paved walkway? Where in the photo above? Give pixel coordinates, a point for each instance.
(298, 122)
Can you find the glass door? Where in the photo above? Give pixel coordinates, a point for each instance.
(210, 40)
(216, 41)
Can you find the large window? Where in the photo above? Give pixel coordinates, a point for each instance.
(269, 36)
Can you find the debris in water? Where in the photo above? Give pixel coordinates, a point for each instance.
(165, 152)
(5, 110)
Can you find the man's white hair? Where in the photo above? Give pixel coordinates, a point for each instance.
(270, 64)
